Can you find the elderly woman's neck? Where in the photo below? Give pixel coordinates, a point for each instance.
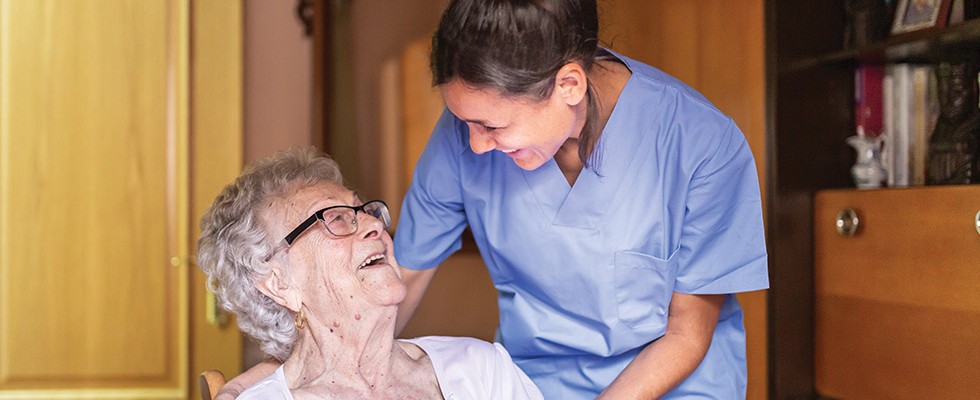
(357, 351)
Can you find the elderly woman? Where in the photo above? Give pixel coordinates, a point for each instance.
(307, 268)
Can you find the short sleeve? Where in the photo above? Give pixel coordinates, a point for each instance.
(432, 216)
(723, 246)
(469, 368)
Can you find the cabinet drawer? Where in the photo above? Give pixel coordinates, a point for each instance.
(897, 305)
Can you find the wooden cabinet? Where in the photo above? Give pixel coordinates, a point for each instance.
(897, 305)
(845, 323)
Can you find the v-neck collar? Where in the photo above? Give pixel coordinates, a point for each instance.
(583, 204)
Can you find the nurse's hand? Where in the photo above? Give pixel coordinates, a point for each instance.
(669, 360)
(238, 384)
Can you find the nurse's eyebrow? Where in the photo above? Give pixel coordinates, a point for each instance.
(478, 121)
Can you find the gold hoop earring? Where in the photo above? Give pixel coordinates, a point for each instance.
(300, 318)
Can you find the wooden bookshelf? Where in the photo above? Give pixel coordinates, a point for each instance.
(810, 110)
(918, 46)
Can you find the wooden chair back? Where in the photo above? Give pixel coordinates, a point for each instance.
(210, 382)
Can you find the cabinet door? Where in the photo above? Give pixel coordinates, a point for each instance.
(897, 307)
(97, 295)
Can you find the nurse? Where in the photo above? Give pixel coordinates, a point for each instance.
(616, 208)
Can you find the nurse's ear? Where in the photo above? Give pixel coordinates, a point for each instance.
(571, 84)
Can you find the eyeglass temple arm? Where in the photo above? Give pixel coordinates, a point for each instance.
(283, 244)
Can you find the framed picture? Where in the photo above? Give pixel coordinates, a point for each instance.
(914, 15)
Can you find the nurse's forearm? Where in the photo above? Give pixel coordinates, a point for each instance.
(659, 368)
(667, 362)
(417, 282)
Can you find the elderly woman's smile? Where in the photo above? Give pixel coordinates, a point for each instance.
(374, 261)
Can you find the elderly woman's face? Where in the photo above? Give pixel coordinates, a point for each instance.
(337, 273)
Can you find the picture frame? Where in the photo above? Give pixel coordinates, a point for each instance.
(916, 15)
(963, 10)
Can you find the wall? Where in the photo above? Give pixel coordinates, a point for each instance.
(278, 78)
(402, 22)
(277, 81)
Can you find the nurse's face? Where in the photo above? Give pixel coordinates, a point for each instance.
(530, 132)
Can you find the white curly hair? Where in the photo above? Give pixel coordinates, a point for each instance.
(234, 244)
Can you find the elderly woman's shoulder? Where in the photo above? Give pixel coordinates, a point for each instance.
(452, 343)
(473, 368)
(450, 349)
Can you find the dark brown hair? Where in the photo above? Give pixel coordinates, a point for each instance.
(517, 47)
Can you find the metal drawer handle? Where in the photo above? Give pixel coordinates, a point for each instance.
(848, 222)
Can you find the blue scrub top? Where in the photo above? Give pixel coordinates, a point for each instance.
(585, 273)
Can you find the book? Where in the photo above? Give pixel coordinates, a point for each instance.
(868, 100)
(888, 127)
(910, 110)
(896, 147)
(923, 113)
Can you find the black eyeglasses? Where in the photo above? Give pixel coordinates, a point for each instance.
(340, 221)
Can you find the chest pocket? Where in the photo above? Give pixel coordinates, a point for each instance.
(644, 285)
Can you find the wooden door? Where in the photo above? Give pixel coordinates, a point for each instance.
(897, 306)
(102, 179)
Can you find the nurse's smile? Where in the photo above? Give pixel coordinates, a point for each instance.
(515, 154)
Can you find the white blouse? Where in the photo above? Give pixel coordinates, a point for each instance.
(466, 368)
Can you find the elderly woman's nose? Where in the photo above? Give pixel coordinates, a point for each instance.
(370, 226)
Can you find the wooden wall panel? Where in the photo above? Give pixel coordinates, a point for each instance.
(421, 103)
(409, 107)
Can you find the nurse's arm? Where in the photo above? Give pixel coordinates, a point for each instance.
(417, 282)
(666, 362)
(238, 384)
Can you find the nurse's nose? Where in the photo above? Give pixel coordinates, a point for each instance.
(481, 142)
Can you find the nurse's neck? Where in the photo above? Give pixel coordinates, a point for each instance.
(609, 77)
(568, 160)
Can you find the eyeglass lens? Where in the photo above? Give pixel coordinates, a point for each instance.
(342, 221)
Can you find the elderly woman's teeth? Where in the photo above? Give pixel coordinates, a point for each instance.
(373, 260)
